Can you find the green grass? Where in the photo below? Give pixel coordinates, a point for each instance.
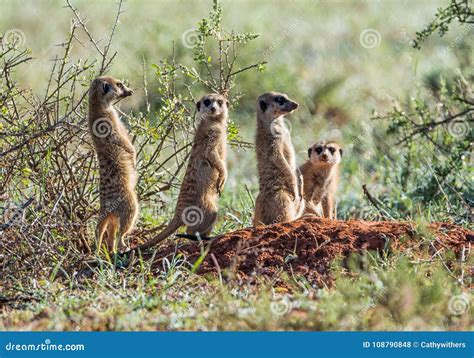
(396, 293)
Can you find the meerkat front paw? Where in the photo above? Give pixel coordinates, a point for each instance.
(220, 186)
(221, 183)
(292, 191)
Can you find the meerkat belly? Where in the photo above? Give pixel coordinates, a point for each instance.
(199, 183)
(321, 185)
(117, 178)
(272, 177)
(208, 177)
(272, 181)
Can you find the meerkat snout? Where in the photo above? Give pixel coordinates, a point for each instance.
(274, 104)
(127, 92)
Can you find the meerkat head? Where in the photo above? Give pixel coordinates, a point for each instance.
(108, 89)
(273, 105)
(213, 106)
(325, 153)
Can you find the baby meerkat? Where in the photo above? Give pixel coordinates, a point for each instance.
(117, 163)
(321, 176)
(280, 197)
(205, 175)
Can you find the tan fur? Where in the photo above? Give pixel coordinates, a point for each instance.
(321, 176)
(205, 175)
(280, 197)
(117, 164)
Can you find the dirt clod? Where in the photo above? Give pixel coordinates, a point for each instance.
(306, 247)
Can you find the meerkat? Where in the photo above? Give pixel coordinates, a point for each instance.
(205, 175)
(280, 197)
(321, 176)
(117, 163)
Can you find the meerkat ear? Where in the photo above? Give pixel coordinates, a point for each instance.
(309, 152)
(340, 151)
(198, 105)
(106, 87)
(227, 104)
(263, 105)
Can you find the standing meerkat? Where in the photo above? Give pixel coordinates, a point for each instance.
(321, 176)
(280, 197)
(205, 175)
(117, 163)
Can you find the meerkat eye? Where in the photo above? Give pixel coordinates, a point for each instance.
(280, 100)
(120, 85)
(207, 102)
(220, 102)
(332, 150)
(319, 150)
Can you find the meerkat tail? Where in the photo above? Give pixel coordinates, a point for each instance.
(174, 225)
(195, 237)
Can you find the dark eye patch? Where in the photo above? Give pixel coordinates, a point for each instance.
(319, 150)
(332, 150)
(207, 102)
(119, 85)
(280, 100)
(219, 102)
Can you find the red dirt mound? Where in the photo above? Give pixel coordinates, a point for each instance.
(307, 246)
